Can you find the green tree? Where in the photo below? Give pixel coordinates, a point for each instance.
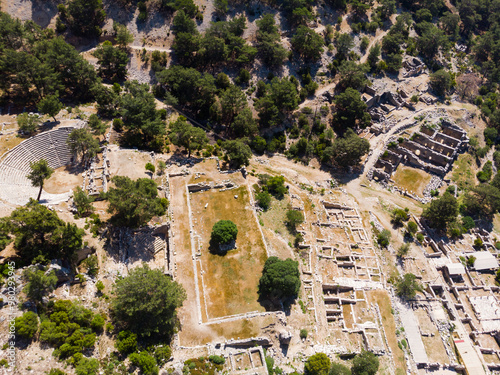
(263, 199)
(284, 94)
(346, 151)
(27, 325)
(442, 211)
(237, 152)
(339, 369)
(244, 124)
(350, 110)
(83, 202)
(82, 144)
(407, 287)
(294, 218)
(146, 302)
(112, 61)
(280, 279)
(268, 39)
(134, 203)
(86, 17)
(39, 283)
(374, 55)
(182, 23)
(483, 200)
(387, 8)
(150, 168)
(384, 238)
(97, 126)
(40, 171)
(440, 82)
(268, 112)
(145, 362)
(307, 43)
(317, 364)
(223, 233)
(50, 105)
(232, 100)
(344, 44)
(365, 363)
(123, 37)
(352, 75)
(182, 133)
(126, 342)
(142, 121)
(28, 124)
(161, 167)
(39, 232)
(276, 186)
(403, 250)
(431, 40)
(399, 216)
(221, 6)
(87, 366)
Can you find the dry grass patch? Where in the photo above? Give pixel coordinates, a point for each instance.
(8, 142)
(412, 179)
(63, 179)
(384, 303)
(231, 280)
(464, 172)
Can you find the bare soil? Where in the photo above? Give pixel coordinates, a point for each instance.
(64, 179)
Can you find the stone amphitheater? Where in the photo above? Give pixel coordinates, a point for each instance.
(15, 166)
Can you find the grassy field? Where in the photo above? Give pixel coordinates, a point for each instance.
(412, 179)
(384, 303)
(230, 281)
(463, 173)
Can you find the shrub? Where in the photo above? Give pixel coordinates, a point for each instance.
(303, 334)
(263, 199)
(145, 362)
(27, 325)
(412, 227)
(407, 286)
(420, 238)
(317, 364)
(162, 354)
(150, 167)
(127, 342)
(468, 222)
(294, 218)
(100, 286)
(217, 359)
(383, 238)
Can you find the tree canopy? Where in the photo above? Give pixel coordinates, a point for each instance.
(223, 233)
(134, 203)
(40, 171)
(442, 211)
(365, 363)
(146, 302)
(317, 364)
(82, 144)
(350, 110)
(182, 133)
(346, 151)
(238, 153)
(407, 286)
(40, 232)
(280, 279)
(307, 43)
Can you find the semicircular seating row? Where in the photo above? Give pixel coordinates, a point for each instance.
(51, 145)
